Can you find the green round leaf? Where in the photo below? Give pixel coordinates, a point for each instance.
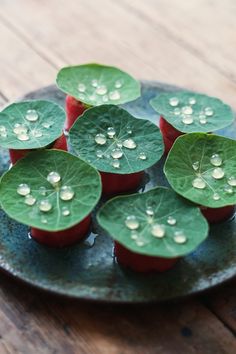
(95, 84)
(33, 171)
(98, 120)
(205, 114)
(166, 207)
(46, 128)
(190, 158)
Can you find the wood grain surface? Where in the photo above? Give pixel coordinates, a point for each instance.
(188, 43)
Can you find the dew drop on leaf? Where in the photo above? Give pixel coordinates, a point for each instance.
(99, 154)
(208, 111)
(81, 87)
(149, 211)
(116, 153)
(94, 83)
(198, 183)
(187, 119)
(132, 222)
(173, 101)
(134, 235)
(20, 129)
(23, 189)
(100, 139)
(179, 237)
(216, 160)
(216, 196)
(118, 84)
(65, 211)
(192, 100)
(53, 177)
(66, 193)
(232, 181)
(101, 90)
(30, 200)
(196, 165)
(129, 144)
(32, 115)
(158, 230)
(111, 132)
(23, 137)
(116, 163)
(228, 189)
(171, 220)
(218, 173)
(45, 205)
(142, 156)
(114, 95)
(42, 190)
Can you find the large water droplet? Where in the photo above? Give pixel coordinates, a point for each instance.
(115, 163)
(23, 137)
(232, 181)
(81, 87)
(216, 160)
(171, 220)
(66, 193)
(116, 153)
(119, 144)
(20, 129)
(173, 101)
(129, 144)
(30, 200)
(187, 110)
(111, 132)
(196, 165)
(53, 177)
(179, 237)
(158, 230)
(23, 189)
(228, 189)
(216, 196)
(208, 111)
(199, 183)
(45, 205)
(101, 90)
(218, 173)
(118, 84)
(65, 211)
(32, 115)
(142, 156)
(132, 222)
(114, 95)
(100, 139)
(187, 119)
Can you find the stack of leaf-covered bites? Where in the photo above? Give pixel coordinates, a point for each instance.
(188, 112)
(30, 125)
(54, 192)
(117, 144)
(92, 85)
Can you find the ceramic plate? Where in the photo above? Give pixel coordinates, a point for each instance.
(89, 270)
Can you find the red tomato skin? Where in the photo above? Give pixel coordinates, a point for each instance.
(169, 133)
(216, 215)
(141, 263)
(74, 108)
(62, 238)
(114, 183)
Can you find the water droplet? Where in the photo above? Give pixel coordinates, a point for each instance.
(158, 230)
(216, 196)
(92, 97)
(199, 183)
(36, 133)
(100, 139)
(81, 87)
(142, 156)
(101, 90)
(42, 191)
(65, 211)
(116, 153)
(171, 220)
(111, 132)
(116, 163)
(196, 165)
(99, 154)
(94, 83)
(44, 220)
(187, 110)
(232, 181)
(131, 222)
(140, 243)
(149, 211)
(53, 177)
(45, 205)
(192, 100)
(30, 200)
(134, 235)
(208, 111)
(114, 95)
(119, 144)
(23, 137)
(216, 160)
(129, 130)
(118, 84)
(47, 124)
(81, 96)
(187, 119)
(173, 101)
(23, 189)
(218, 173)
(105, 98)
(66, 193)
(129, 144)
(2, 129)
(3, 134)
(203, 120)
(20, 129)
(177, 111)
(228, 189)
(179, 237)
(31, 115)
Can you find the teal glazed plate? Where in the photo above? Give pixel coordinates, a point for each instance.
(89, 270)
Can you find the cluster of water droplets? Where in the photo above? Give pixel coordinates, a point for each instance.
(157, 230)
(100, 90)
(118, 151)
(66, 194)
(187, 113)
(217, 173)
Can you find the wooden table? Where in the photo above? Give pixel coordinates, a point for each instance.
(189, 43)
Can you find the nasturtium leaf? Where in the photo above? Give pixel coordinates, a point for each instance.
(134, 144)
(95, 84)
(182, 223)
(31, 124)
(207, 161)
(82, 179)
(191, 112)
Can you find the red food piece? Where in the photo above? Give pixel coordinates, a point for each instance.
(114, 183)
(74, 109)
(62, 238)
(59, 144)
(215, 215)
(141, 263)
(169, 133)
